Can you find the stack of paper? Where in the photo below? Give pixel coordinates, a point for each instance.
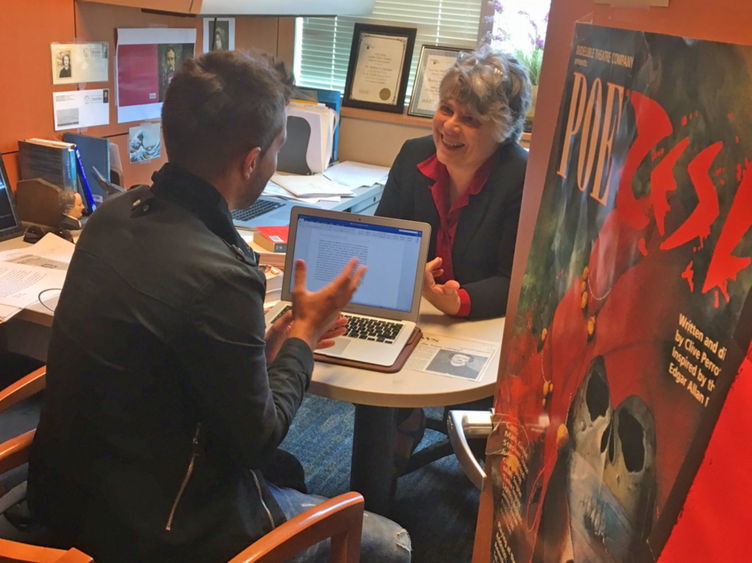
(355, 174)
(32, 274)
(323, 123)
(315, 186)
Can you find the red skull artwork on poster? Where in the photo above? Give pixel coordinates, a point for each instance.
(625, 341)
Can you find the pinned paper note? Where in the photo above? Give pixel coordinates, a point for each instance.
(73, 63)
(81, 108)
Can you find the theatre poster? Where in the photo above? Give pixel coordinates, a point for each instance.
(634, 314)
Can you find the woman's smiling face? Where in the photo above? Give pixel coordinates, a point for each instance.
(461, 138)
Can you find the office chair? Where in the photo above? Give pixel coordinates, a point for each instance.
(340, 518)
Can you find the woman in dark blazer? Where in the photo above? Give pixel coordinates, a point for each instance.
(466, 181)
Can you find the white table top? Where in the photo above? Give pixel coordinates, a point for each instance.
(406, 388)
(409, 388)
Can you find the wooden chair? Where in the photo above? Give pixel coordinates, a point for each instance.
(340, 518)
(15, 552)
(15, 452)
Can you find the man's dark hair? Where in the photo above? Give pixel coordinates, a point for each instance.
(168, 50)
(222, 105)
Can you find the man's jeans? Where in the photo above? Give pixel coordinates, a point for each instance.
(382, 541)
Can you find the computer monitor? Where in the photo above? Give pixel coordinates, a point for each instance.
(10, 222)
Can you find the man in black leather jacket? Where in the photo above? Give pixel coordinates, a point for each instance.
(164, 396)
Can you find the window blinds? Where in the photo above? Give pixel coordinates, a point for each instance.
(323, 44)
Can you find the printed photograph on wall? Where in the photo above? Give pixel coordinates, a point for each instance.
(219, 34)
(169, 58)
(630, 325)
(147, 60)
(144, 142)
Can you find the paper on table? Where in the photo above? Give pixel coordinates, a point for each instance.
(21, 285)
(453, 357)
(273, 190)
(6, 312)
(50, 252)
(310, 186)
(355, 174)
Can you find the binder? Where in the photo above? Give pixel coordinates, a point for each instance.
(331, 99)
(58, 163)
(95, 153)
(53, 161)
(310, 138)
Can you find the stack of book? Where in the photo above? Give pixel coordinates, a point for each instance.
(57, 162)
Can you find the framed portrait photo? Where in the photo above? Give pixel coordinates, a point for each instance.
(379, 65)
(433, 64)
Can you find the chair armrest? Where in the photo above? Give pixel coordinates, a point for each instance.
(469, 424)
(23, 388)
(340, 518)
(15, 452)
(22, 552)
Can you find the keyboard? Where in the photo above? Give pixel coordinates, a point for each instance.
(364, 328)
(368, 328)
(259, 208)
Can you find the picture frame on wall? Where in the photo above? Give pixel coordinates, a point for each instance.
(432, 65)
(379, 65)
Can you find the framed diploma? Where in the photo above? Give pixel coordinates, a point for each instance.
(379, 65)
(433, 64)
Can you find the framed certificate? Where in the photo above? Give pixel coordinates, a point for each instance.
(379, 64)
(433, 64)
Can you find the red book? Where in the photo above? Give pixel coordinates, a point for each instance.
(273, 239)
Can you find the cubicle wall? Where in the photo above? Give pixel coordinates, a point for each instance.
(26, 88)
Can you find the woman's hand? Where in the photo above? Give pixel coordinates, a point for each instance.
(442, 296)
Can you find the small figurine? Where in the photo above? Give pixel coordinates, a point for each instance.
(71, 208)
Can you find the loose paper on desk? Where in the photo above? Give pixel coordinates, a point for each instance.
(6, 312)
(453, 357)
(22, 285)
(355, 174)
(27, 273)
(81, 108)
(51, 252)
(310, 186)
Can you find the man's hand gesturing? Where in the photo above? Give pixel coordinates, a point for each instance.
(316, 311)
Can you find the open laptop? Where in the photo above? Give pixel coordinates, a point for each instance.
(384, 309)
(10, 222)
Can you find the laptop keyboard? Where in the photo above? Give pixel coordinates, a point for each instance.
(257, 209)
(365, 328)
(368, 328)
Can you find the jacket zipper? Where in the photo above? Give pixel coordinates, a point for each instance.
(261, 497)
(188, 473)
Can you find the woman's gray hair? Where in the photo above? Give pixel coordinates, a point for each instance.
(494, 86)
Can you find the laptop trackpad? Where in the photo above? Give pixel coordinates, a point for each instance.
(339, 346)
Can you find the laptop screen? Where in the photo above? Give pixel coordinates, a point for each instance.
(392, 256)
(10, 224)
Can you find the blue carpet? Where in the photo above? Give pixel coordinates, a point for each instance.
(437, 504)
